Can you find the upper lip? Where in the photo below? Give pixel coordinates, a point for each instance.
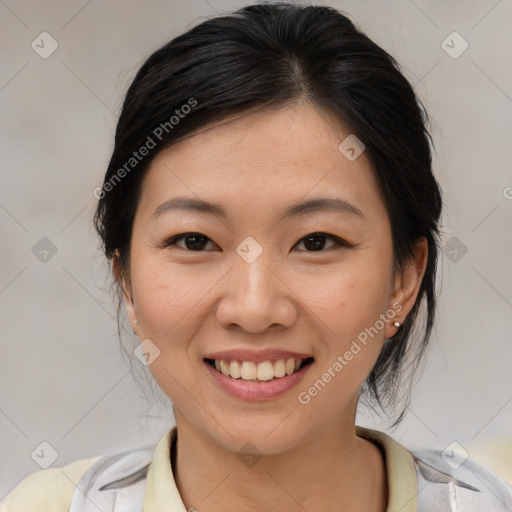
(256, 355)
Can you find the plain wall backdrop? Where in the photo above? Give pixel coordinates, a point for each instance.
(63, 379)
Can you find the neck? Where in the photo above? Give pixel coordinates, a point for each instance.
(331, 467)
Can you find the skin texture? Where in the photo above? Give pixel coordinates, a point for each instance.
(192, 303)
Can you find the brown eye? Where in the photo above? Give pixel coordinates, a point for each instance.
(315, 242)
(193, 241)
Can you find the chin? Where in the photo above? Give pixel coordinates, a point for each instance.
(269, 434)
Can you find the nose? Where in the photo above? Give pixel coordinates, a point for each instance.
(256, 298)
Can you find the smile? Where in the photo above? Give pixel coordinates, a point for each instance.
(252, 381)
(258, 372)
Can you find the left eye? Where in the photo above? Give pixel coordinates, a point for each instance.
(317, 241)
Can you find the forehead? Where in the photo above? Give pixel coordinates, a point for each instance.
(262, 158)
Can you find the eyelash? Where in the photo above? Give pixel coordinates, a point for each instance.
(172, 241)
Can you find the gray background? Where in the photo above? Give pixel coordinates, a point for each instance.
(63, 379)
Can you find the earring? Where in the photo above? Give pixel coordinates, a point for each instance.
(135, 321)
(396, 324)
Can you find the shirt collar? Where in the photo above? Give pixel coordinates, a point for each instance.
(402, 482)
(163, 494)
(161, 490)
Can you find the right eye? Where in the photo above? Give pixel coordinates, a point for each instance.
(193, 241)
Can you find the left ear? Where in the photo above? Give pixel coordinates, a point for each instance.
(408, 281)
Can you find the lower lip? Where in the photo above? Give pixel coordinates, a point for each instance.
(257, 390)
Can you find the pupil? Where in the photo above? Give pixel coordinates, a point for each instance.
(198, 244)
(319, 244)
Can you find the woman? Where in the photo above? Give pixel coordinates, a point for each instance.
(272, 221)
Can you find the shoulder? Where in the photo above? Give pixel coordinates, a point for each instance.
(88, 485)
(99, 480)
(48, 490)
(454, 482)
(444, 481)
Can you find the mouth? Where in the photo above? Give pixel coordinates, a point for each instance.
(265, 371)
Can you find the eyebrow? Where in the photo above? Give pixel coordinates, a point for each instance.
(311, 206)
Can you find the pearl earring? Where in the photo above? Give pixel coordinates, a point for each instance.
(396, 324)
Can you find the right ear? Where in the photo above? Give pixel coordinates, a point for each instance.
(126, 288)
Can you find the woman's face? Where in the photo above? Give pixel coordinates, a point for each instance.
(253, 283)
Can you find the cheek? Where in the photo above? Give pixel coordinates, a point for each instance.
(168, 302)
(347, 312)
(166, 295)
(346, 297)
(347, 301)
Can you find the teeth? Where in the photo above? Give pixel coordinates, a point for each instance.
(234, 369)
(248, 370)
(264, 371)
(279, 368)
(224, 367)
